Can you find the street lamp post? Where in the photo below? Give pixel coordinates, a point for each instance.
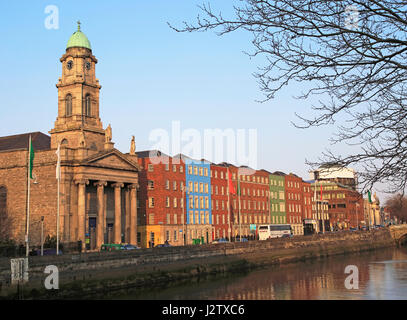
(42, 235)
(185, 191)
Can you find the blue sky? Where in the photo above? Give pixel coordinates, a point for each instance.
(150, 76)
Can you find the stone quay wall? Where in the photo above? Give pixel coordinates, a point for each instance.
(88, 274)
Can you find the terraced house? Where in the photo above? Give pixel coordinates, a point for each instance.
(161, 199)
(220, 200)
(277, 198)
(198, 200)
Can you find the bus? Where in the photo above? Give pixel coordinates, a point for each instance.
(269, 231)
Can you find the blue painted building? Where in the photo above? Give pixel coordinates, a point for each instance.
(198, 200)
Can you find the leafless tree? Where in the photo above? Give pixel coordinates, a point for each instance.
(353, 55)
(397, 206)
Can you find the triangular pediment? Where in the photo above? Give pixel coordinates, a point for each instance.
(113, 159)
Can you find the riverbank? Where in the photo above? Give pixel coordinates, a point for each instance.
(95, 274)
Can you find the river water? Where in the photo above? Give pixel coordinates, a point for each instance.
(381, 274)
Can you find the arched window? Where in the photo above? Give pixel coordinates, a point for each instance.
(87, 105)
(68, 105)
(64, 142)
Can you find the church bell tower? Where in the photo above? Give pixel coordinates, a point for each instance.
(78, 124)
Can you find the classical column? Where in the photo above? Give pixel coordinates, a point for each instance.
(127, 215)
(100, 230)
(133, 213)
(117, 212)
(81, 209)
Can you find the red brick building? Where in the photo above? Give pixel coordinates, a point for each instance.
(219, 196)
(294, 203)
(254, 201)
(345, 205)
(161, 199)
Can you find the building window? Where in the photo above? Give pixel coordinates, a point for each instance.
(87, 105)
(175, 235)
(151, 218)
(181, 169)
(174, 168)
(151, 202)
(167, 235)
(150, 184)
(189, 169)
(168, 218)
(167, 202)
(174, 185)
(206, 172)
(150, 168)
(68, 105)
(196, 171)
(167, 184)
(175, 202)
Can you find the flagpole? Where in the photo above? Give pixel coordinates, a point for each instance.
(229, 230)
(240, 220)
(322, 210)
(27, 249)
(59, 179)
(316, 202)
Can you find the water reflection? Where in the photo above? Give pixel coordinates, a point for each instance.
(382, 275)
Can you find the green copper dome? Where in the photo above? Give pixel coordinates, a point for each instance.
(78, 39)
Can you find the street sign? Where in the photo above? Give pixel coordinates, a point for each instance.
(252, 227)
(19, 270)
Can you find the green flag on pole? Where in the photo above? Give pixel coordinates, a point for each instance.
(369, 195)
(31, 159)
(238, 186)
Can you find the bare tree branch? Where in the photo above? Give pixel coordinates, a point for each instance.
(353, 53)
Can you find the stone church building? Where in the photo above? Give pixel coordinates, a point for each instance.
(98, 186)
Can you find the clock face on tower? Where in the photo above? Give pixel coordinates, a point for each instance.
(69, 65)
(87, 65)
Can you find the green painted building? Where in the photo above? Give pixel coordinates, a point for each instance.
(277, 198)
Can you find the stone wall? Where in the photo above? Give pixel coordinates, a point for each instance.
(144, 266)
(13, 175)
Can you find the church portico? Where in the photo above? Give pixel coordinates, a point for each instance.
(106, 210)
(98, 184)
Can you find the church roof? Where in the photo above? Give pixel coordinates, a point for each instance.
(79, 39)
(39, 140)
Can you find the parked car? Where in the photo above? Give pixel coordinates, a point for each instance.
(110, 247)
(221, 240)
(244, 240)
(353, 229)
(129, 247)
(164, 245)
